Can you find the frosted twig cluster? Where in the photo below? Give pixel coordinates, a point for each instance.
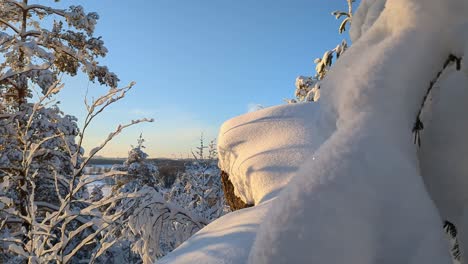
(45, 210)
(308, 88)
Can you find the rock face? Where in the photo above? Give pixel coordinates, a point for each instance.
(233, 201)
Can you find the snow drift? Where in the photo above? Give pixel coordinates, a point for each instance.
(364, 193)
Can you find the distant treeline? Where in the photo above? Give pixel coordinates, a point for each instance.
(158, 162)
(169, 169)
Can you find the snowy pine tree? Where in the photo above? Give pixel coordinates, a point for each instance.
(199, 188)
(151, 225)
(37, 51)
(140, 171)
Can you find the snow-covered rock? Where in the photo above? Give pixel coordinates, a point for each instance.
(262, 150)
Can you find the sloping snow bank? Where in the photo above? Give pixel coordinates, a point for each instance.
(363, 200)
(227, 240)
(262, 150)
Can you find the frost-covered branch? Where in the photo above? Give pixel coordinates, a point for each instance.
(4, 22)
(26, 69)
(308, 88)
(100, 104)
(153, 222)
(62, 223)
(348, 16)
(111, 136)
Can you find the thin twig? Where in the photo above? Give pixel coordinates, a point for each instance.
(418, 124)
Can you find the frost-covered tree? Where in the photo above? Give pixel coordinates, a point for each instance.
(96, 193)
(199, 188)
(152, 225)
(32, 125)
(38, 43)
(155, 226)
(44, 215)
(308, 88)
(139, 170)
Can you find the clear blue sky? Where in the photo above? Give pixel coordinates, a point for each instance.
(199, 63)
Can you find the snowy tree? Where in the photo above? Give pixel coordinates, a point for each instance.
(199, 188)
(152, 225)
(139, 170)
(38, 43)
(308, 88)
(61, 225)
(97, 194)
(42, 186)
(32, 125)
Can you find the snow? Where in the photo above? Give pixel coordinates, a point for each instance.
(443, 140)
(365, 16)
(342, 179)
(364, 194)
(262, 150)
(226, 240)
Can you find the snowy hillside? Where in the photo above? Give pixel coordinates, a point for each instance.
(341, 180)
